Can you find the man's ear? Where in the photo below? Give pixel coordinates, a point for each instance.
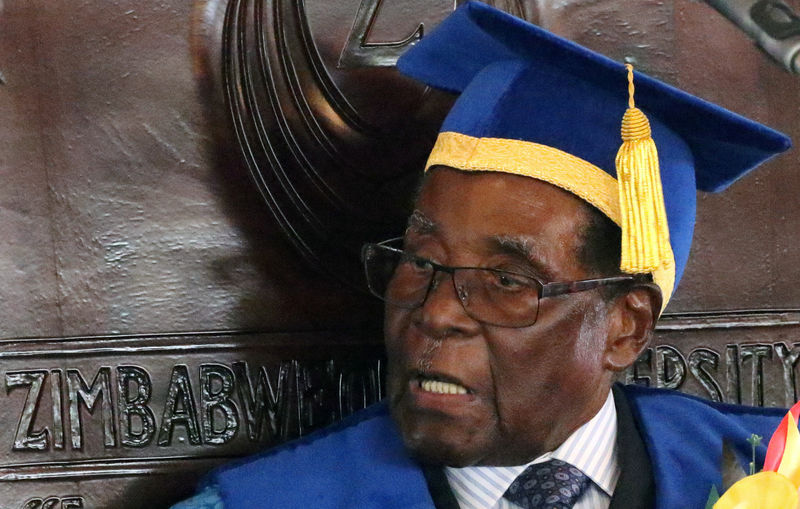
(633, 318)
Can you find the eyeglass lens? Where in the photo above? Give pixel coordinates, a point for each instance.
(487, 295)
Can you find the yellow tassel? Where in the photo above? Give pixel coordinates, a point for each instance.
(645, 236)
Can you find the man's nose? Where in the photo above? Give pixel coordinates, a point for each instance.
(442, 313)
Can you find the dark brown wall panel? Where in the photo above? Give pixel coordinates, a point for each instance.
(745, 253)
(28, 271)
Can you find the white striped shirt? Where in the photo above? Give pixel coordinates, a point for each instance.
(592, 448)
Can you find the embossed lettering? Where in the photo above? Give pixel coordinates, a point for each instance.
(316, 395)
(25, 437)
(33, 503)
(789, 360)
(57, 404)
(359, 388)
(670, 367)
(357, 52)
(99, 390)
(276, 404)
(216, 389)
(179, 408)
(698, 360)
(38, 503)
(733, 385)
(635, 375)
(140, 433)
(70, 502)
(267, 404)
(756, 354)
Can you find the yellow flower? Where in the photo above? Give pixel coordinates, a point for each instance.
(764, 490)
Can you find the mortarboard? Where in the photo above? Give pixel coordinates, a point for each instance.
(535, 104)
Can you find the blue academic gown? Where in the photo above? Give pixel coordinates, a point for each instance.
(361, 462)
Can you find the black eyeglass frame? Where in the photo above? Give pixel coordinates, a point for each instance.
(551, 289)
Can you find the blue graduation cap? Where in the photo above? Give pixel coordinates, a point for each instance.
(535, 104)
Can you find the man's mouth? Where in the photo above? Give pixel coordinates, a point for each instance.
(439, 387)
(437, 384)
(438, 393)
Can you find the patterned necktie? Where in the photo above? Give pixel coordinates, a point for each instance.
(552, 484)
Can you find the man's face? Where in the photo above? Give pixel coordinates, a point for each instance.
(527, 389)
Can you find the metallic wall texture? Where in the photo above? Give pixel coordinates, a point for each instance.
(185, 187)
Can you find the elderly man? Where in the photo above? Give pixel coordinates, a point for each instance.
(532, 271)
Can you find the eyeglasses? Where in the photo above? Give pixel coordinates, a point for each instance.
(492, 296)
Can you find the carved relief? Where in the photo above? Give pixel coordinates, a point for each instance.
(359, 52)
(266, 405)
(170, 406)
(749, 372)
(68, 502)
(307, 86)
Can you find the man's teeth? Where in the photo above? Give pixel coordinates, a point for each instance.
(439, 387)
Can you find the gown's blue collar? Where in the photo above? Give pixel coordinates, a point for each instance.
(361, 462)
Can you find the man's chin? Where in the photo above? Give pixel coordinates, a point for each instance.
(439, 455)
(438, 437)
(441, 448)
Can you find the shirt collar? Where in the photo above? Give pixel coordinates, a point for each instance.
(592, 448)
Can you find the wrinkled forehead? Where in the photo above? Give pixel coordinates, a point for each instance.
(504, 212)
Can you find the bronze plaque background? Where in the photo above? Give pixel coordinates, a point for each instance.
(184, 190)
